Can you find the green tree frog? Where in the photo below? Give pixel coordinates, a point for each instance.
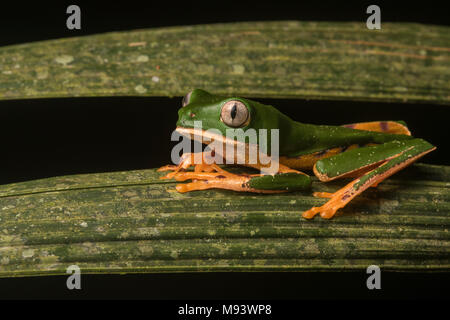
(369, 152)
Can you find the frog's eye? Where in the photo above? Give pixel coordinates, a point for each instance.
(234, 114)
(186, 99)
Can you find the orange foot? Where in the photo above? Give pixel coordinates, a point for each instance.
(204, 176)
(187, 160)
(337, 201)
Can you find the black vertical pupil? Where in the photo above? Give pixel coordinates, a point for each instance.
(233, 112)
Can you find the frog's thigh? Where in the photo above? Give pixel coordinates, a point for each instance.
(307, 161)
(407, 152)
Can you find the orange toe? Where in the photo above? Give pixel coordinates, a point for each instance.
(167, 168)
(309, 214)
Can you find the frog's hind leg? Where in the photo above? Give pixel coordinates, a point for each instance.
(382, 161)
(211, 176)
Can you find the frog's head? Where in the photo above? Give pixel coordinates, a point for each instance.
(222, 113)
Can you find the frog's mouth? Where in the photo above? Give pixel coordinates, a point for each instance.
(244, 153)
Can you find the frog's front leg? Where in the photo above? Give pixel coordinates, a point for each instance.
(211, 176)
(374, 163)
(187, 160)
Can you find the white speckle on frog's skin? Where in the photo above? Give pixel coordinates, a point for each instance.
(155, 79)
(7, 72)
(140, 89)
(83, 224)
(142, 58)
(28, 253)
(64, 59)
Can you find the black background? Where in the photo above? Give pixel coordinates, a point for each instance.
(51, 137)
